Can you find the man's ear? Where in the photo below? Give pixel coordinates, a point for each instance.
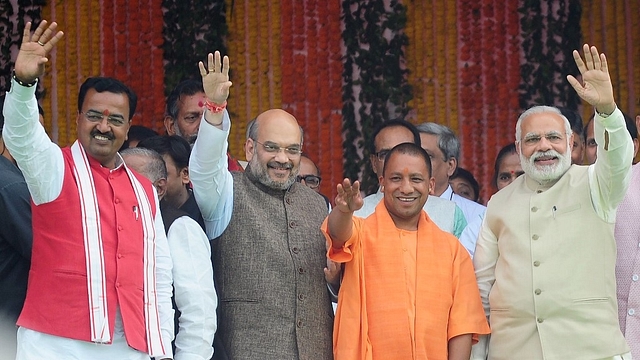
(452, 164)
(184, 175)
(168, 125)
(380, 178)
(249, 149)
(635, 147)
(373, 158)
(161, 187)
(517, 143)
(432, 185)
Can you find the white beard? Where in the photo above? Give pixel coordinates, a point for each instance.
(546, 173)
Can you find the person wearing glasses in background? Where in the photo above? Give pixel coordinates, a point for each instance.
(268, 250)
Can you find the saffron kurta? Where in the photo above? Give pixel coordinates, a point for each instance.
(373, 319)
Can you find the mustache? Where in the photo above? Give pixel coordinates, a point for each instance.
(548, 153)
(279, 165)
(109, 135)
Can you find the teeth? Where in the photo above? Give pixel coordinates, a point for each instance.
(100, 137)
(405, 199)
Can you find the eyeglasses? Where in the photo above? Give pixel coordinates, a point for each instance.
(382, 154)
(294, 150)
(96, 117)
(311, 181)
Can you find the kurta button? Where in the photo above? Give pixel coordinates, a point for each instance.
(535, 237)
(536, 263)
(119, 227)
(538, 291)
(540, 320)
(301, 270)
(300, 297)
(288, 201)
(119, 256)
(295, 250)
(631, 312)
(539, 191)
(534, 209)
(292, 224)
(634, 277)
(299, 323)
(117, 201)
(118, 285)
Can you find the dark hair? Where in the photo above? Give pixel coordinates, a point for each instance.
(506, 150)
(2, 97)
(107, 84)
(137, 132)
(631, 126)
(408, 149)
(391, 123)
(575, 120)
(465, 174)
(174, 146)
(185, 87)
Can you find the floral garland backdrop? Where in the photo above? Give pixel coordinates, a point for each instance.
(613, 27)
(375, 84)
(340, 67)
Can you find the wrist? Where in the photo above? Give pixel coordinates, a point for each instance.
(25, 83)
(215, 108)
(606, 110)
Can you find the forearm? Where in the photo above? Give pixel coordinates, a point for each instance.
(611, 172)
(340, 227)
(210, 177)
(460, 347)
(39, 159)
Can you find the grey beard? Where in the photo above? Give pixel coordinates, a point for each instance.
(259, 171)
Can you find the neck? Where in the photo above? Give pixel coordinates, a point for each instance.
(179, 200)
(439, 190)
(410, 224)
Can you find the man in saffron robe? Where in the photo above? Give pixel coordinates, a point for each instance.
(408, 290)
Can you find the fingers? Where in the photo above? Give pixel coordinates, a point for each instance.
(210, 63)
(225, 66)
(26, 34)
(39, 30)
(203, 71)
(596, 58)
(603, 61)
(216, 61)
(581, 66)
(574, 83)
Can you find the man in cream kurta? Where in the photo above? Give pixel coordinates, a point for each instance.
(545, 258)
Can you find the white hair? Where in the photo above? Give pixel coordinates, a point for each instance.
(538, 110)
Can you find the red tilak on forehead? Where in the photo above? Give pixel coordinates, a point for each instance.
(106, 112)
(202, 101)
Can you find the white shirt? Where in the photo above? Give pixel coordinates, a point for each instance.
(212, 182)
(195, 295)
(473, 212)
(42, 165)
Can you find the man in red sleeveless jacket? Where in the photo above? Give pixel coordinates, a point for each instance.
(100, 280)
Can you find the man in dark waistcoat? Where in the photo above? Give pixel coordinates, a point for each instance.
(268, 251)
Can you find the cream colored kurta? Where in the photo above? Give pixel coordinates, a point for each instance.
(545, 259)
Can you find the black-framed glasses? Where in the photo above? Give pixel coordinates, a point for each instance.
(293, 150)
(382, 154)
(96, 117)
(311, 181)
